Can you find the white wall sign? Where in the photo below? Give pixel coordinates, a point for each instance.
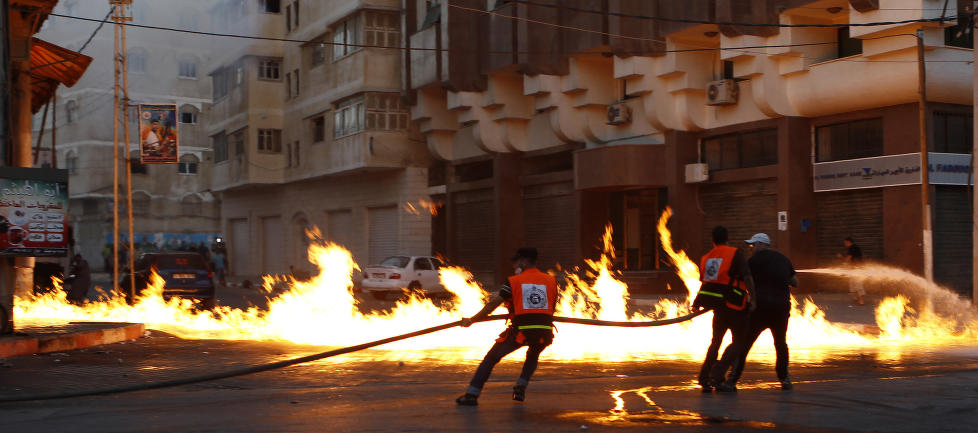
(891, 170)
(783, 221)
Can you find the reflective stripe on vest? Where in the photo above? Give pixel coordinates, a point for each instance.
(534, 327)
(714, 294)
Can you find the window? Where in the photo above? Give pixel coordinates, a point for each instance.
(381, 28)
(295, 14)
(288, 18)
(71, 162)
(268, 69)
(959, 36)
(848, 46)
(288, 85)
(318, 54)
(271, 6)
(292, 16)
(220, 83)
(191, 205)
(346, 37)
(238, 141)
(188, 164)
(385, 112)
(270, 140)
(140, 204)
(220, 143)
(741, 150)
(188, 68)
(295, 90)
(952, 133)
(318, 129)
(71, 111)
(295, 154)
(135, 166)
(188, 114)
(136, 62)
(422, 264)
(348, 117)
(850, 140)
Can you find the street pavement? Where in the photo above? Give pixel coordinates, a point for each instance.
(923, 390)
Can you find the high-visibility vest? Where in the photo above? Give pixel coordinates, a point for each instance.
(534, 300)
(715, 268)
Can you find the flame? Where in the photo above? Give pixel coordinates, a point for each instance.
(429, 206)
(324, 311)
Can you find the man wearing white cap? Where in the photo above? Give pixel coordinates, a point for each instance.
(773, 273)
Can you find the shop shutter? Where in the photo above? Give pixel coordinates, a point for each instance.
(474, 237)
(272, 246)
(855, 213)
(382, 224)
(550, 217)
(240, 246)
(744, 208)
(952, 238)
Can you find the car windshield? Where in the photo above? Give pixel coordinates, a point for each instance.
(183, 261)
(396, 261)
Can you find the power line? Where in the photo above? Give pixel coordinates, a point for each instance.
(723, 23)
(78, 53)
(450, 50)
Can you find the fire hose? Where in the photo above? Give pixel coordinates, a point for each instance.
(322, 355)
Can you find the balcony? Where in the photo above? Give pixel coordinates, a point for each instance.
(361, 152)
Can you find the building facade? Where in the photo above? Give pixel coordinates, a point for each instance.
(315, 134)
(172, 204)
(565, 118)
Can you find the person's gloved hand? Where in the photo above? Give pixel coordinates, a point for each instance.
(466, 322)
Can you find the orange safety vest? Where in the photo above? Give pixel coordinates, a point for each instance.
(534, 300)
(715, 268)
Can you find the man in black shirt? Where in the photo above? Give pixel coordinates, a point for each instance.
(773, 273)
(853, 257)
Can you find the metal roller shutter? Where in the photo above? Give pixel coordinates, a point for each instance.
(339, 228)
(240, 246)
(273, 246)
(952, 238)
(856, 213)
(383, 233)
(550, 215)
(474, 237)
(744, 208)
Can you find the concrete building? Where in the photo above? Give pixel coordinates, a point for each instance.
(172, 204)
(314, 134)
(547, 133)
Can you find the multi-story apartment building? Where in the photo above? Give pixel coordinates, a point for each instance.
(562, 116)
(172, 204)
(314, 134)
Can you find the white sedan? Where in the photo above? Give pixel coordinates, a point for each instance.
(396, 273)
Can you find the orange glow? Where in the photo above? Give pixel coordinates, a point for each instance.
(428, 206)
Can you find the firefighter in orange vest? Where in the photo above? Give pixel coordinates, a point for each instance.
(728, 290)
(531, 297)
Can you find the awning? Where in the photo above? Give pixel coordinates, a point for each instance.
(52, 65)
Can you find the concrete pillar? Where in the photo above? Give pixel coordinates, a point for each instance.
(796, 195)
(508, 198)
(683, 198)
(21, 157)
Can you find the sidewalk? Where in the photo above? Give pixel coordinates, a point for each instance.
(74, 335)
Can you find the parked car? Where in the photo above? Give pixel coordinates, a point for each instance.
(394, 274)
(186, 275)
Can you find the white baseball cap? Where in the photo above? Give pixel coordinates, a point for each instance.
(759, 237)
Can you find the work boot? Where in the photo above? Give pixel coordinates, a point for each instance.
(786, 384)
(519, 393)
(727, 387)
(467, 400)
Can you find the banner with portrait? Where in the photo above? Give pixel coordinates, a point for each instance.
(158, 138)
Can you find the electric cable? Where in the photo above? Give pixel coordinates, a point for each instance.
(87, 41)
(317, 356)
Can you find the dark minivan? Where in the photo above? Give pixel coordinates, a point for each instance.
(186, 274)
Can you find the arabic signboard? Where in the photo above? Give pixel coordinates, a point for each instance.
(158, 138)
(33, 212)
(891, 170)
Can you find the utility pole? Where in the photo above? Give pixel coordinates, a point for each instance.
(928, 240)
(124, 59)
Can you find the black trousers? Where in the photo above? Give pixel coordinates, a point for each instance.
(724, 319)
(775, 319)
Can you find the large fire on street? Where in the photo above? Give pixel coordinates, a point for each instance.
(324, 311)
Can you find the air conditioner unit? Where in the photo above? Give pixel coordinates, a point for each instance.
(722, 92)
(699, 172)
(619, 113)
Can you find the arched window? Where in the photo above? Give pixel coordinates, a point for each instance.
(188, 114)
(71, 111)
(191, 205)
(300, 247)
(138, 58)
(135, 166)
(188, 164)
(71, 162)
(188, 67)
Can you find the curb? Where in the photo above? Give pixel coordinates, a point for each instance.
(46, 343)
